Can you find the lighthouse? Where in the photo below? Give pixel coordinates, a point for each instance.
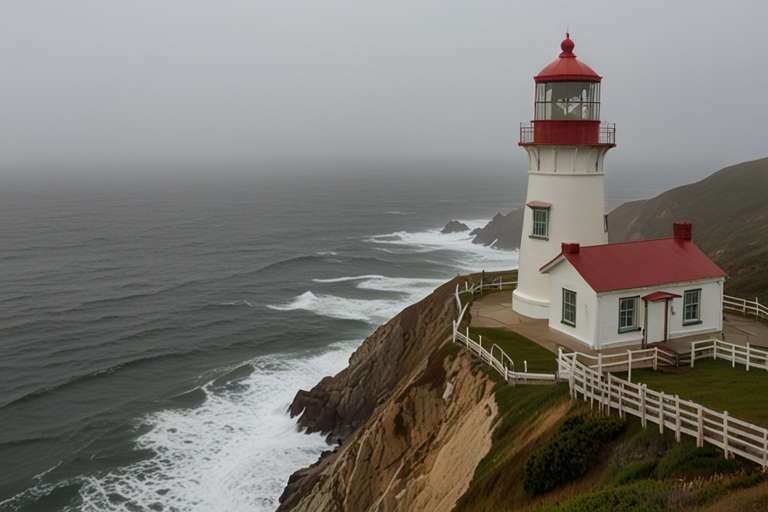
(566, 145)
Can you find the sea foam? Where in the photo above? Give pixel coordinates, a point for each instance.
(233, 453)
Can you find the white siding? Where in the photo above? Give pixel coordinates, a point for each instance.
(711, 312)
(597, 316)
(564, 276)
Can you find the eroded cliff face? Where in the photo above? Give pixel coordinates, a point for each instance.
(414, 417)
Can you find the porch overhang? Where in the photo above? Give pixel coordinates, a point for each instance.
(657, 296)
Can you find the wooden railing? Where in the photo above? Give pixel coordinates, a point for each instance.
(746, 307)
(608, 392)
(499, 360)
(631, 359)
(714, 349)
(496, 357)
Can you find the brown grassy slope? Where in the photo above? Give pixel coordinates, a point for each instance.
(729, 211)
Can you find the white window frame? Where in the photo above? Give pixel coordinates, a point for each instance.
(692, 307)
(540, 233)
(569, 308)
(631, 323)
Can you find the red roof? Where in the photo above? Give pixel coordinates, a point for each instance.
(639, 264)
(567, 67)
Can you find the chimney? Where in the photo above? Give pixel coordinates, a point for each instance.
(683, 230)
(570, 247)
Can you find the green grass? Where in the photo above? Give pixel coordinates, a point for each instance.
(517, 347)
(715, 385)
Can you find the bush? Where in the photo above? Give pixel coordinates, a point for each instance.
(634, 471)
(571, 451)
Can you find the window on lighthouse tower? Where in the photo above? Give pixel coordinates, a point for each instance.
(540, 217)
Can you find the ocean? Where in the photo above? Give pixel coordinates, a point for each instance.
(154, 329)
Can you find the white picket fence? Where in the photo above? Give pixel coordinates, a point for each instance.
(496, 357)
(747, 307)
(499, 360)
(608, 392)
(626, 361)
(713, 349)
(483, 285)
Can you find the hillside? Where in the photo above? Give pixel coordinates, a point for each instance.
(729, 211)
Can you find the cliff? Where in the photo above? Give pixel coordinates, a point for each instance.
(420, 446)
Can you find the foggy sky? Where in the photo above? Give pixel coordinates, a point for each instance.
(183, 86)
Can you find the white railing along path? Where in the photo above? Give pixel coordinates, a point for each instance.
(607, 392)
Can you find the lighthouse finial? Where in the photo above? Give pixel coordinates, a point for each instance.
(567, 46)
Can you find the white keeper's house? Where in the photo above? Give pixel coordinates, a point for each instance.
(634, 293)
(600, 294)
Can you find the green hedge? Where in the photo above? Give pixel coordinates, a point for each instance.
(571, 452)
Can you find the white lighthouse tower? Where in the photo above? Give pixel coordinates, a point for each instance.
(566, 146)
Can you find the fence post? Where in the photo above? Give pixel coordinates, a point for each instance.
(661, 413)
(481, 345)
(629, 362)
(655, 358)
(622, 414)
(467, 338)
(506, 373)
(572, 379)
(747, 356)
(693, 353)
(609, 395)
(765, 448)
(643, 421)
(677, 418)
(725, 434)
(733, 356)
(700, 432)
(525, 364)
(714, 349)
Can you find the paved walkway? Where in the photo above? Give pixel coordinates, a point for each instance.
(495, 310)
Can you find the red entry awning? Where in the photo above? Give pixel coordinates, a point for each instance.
(656, 296)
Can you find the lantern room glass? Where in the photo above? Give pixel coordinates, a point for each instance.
(567, 101)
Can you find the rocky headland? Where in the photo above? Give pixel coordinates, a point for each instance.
(412, 419)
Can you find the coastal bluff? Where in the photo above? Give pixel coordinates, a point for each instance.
(413, 414)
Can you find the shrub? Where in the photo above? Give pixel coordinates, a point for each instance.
(634, 471)
(571, 451)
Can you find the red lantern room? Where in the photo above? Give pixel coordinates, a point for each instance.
(567, 105)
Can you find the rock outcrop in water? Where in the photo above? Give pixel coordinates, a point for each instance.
(454, 226)
(502, 232)
(412, 418)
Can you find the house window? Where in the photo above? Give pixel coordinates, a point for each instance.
(569, 307)
(540, 222)
(692, 307)
(628, 314)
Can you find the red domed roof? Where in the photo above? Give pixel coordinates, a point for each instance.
(567, 67)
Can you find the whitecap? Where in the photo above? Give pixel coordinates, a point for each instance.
(372, 311)
(234, 453)
(465, 256)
